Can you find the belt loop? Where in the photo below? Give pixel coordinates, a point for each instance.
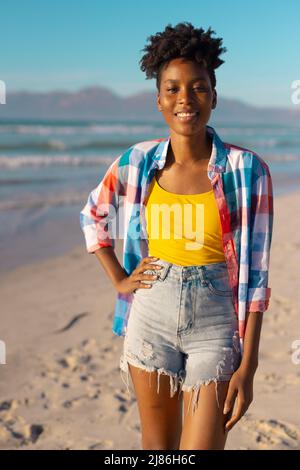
(202, 273)
(164, 271)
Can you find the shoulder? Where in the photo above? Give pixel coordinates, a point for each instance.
(124, 168)
(139, 151)
(135, 156)
(241, 158)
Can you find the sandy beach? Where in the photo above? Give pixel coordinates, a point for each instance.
(61, 387)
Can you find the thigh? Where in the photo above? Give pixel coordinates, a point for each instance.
(160, 414)
(156, 365)
(205, 428)
(213, 355)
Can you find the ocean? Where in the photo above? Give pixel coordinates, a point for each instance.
(47, 170)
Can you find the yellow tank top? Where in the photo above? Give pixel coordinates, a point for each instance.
(183, 229)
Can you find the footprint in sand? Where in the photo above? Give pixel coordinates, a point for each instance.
(271, 382)
(72, 322)
(102, 445)
(273, 433)
(14, 428)
(90, 395)
(284, 307)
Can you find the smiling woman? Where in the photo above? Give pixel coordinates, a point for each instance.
(183, 62)
(185, 101)
(183, 306)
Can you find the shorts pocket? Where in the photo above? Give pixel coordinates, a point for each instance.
(218, 283)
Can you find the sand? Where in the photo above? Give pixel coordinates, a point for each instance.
(61, 386)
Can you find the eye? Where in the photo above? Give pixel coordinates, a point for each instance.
(200, 88)
(196, 88)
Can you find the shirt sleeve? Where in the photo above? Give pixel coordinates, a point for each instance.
(98, 218)
(261, 229)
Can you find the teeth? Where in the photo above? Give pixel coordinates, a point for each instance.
(186, 114)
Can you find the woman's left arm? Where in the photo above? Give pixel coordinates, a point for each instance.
(261, 227)
(241, 383)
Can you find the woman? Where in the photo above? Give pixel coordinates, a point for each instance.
(190, 298)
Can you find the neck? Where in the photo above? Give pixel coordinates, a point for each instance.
(189, 150)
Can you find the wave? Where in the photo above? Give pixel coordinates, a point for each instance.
(60, 145)
(66, 160)
(9, 162)
(289, 143)
(266, 143)
(122, 129)
(25, 181)
(46, 202)
(284, 158)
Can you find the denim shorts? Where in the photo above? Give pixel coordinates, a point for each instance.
(184, 326)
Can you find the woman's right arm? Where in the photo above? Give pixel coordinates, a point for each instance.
(111, 265)
(122, 282)
(97, 220)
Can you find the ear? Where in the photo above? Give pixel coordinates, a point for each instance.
(215, 99)
(159, 107)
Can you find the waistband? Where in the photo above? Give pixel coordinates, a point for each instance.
(186, 272)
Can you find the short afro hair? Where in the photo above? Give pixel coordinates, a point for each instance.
(182, 41)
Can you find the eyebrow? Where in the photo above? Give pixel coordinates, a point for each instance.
(197, 79)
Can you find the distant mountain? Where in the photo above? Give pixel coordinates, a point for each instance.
(101, 103)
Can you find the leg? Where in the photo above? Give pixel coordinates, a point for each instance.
(204, 429)
(160, 415)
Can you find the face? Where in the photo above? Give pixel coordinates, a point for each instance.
(185, 86)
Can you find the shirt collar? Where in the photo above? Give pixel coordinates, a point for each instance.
(218, 157)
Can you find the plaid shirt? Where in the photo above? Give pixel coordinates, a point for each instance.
(243, 191)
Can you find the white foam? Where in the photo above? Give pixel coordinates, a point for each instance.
(10, 162)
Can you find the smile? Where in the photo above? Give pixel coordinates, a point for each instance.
(187, 117)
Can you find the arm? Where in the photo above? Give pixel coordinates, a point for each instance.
(261, 228)
(98, 218)
(99, 212)
(241, 383)
(111, 265)
(249, 361)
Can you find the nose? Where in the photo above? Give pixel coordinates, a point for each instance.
(185, 96)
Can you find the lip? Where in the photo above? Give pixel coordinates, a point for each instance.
(188, 118)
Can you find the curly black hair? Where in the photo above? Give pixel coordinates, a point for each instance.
(182, 41)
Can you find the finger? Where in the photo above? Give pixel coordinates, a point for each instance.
(235, 418)
(229, 425)
(143, 285)
(148, 259)
(230, 399)
(237, 415)
(152, 266)
(143, 262)
(144, 267)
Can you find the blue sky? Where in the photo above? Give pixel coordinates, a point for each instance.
(67, 45)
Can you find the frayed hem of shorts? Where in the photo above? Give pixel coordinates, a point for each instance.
(175, 378)
(227, 361)
(197, 387)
